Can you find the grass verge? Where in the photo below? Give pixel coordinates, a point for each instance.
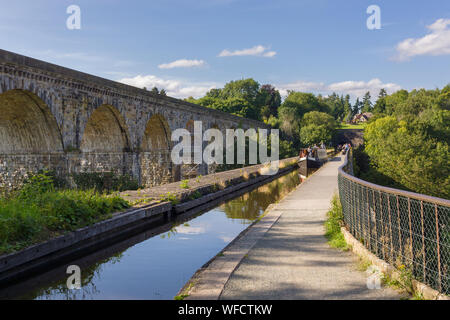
(39, 212)
(333, 225)
(344, 125)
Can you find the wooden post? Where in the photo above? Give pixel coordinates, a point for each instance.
(438, 247)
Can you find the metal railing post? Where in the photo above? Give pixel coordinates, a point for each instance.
(438, 247)
(410, 235)
(399, 231)
(391, 240)
(424, 262)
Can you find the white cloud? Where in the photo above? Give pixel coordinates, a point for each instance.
(182, 89)
(259, 50)
(190, 230)
(174, 88)
(353, 88)
(182, 63)
(359, 88)
(302, 86)
(437, 42)
(226, 239)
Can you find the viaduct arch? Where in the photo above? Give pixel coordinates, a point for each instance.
(68, 121)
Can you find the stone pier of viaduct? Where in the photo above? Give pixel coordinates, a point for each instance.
(60, 119)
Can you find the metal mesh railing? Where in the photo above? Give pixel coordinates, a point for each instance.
(400, 227)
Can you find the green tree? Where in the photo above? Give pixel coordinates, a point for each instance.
(295, 106)
(394, 100)
(317, 127)
(274, 122)
(380, 104)
(214, 93)
(444, 98)
(269, 99)
(347, 106)
(247, 89)
(337, 105)
(409, 153)
(356, 107)
(239, 97)
(236, 106)
(366, 103)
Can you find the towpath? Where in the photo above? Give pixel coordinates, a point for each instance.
(286, 256)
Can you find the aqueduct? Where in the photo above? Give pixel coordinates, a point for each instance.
(68, 121)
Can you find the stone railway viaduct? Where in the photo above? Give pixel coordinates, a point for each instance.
(68, 121)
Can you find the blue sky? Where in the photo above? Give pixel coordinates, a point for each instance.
(309, 45)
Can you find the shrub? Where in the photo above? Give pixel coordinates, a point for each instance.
(184, 184)
(333, 225)
(170, 197)
(38, 211)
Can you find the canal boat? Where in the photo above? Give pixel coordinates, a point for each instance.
(312, 160)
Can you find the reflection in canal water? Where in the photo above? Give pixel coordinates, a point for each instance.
(156, 263)
(250, 206)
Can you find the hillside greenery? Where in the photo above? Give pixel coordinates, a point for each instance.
(406, 140)
(40, 211)
(247, 98)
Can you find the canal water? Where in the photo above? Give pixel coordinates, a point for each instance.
(156, 264)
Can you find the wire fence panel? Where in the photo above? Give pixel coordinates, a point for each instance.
(400, 227)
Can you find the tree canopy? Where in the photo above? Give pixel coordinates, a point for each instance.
(245, 98)
(317, 127)
(408, 143)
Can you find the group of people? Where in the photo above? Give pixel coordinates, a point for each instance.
(344, 147)
(311, 151)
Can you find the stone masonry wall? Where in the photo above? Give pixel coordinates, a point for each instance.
(68, 121)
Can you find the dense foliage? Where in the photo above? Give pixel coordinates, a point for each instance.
(249, 99)
(294, 107)
(245, 98)
(317, 127)
(40, 211)
(406, 140)
(407, 144)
